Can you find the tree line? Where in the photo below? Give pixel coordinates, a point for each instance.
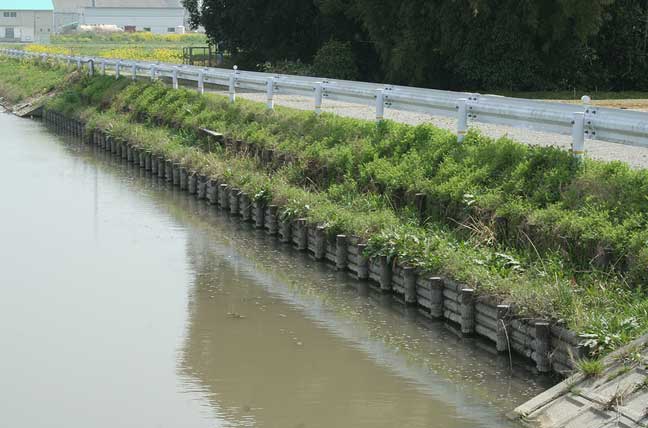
(454, 44)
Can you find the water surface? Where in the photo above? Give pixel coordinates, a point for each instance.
(126, 303)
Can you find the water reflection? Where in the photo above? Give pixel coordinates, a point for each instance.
(266, 337)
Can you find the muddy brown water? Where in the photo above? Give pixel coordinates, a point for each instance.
(127, 303)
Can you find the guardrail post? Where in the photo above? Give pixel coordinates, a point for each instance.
(91, 67)
(117, 69)
(134, 70)
(318, 98)
(578, 135)
(103, 67)
(380, 105)
(44, 58)
(201, 82)
(153, 73)
(462, 119)
(68, 61)
(78, 64)
(175, 77)
(270, 92)
(232, 86)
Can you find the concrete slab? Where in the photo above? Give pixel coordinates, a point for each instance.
(618, 397)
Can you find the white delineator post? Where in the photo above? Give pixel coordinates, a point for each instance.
(318, 98)
(578, 135)
(270, 93)
(201, 82)
(232, 85)
(380, 105)
(462, 119)
(175, 77)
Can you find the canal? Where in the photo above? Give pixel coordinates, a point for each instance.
(127, 303)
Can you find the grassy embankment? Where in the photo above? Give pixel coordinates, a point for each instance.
(19, 81)
(529, 224)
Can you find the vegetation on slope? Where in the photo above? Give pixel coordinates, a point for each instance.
(21, 80)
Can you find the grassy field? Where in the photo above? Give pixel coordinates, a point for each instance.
(127, 46)
(555, 237)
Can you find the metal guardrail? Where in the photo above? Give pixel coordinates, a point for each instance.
(580, 121)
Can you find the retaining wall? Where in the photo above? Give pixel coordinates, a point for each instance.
(549, 345)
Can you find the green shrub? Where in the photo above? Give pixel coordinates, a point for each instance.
(336, 60)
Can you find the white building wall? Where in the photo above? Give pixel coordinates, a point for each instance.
(158, 20)
(27, 25)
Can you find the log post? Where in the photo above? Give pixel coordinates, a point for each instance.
(410, 285)
(246, 207)
(201, 187)
(467, 310)
(543, 345)
(320, 242)
(168, 171)
(341, 252)
(184, 178)
(272, 225)
(234, 201)
(192, 183)
(175, 171)
(302, 234)
(436, 297)
(502, 328)
(385, 274)
(161, 166)
(363, 262)
(259, 211)
(212, 191)
(419, 200)
(147, 161)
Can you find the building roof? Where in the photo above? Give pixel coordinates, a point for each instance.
(26, 5)
(78, 4)
(138, 3)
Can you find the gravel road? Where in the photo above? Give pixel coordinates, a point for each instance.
(636, 157)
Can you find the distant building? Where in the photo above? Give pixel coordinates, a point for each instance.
(26, 20)
(156, 16)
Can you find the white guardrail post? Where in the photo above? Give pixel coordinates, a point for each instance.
(201, 82)
(118, 69)
(270, 93)
(153, 73)
(318, 97)
(103, 67)
(232, 85)
(91, 67)
(78, 64)
(380, 105)
(134, 71)
(462, 119)
(174, 77)
(578, 135)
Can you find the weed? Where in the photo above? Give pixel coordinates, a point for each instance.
(590, 367)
